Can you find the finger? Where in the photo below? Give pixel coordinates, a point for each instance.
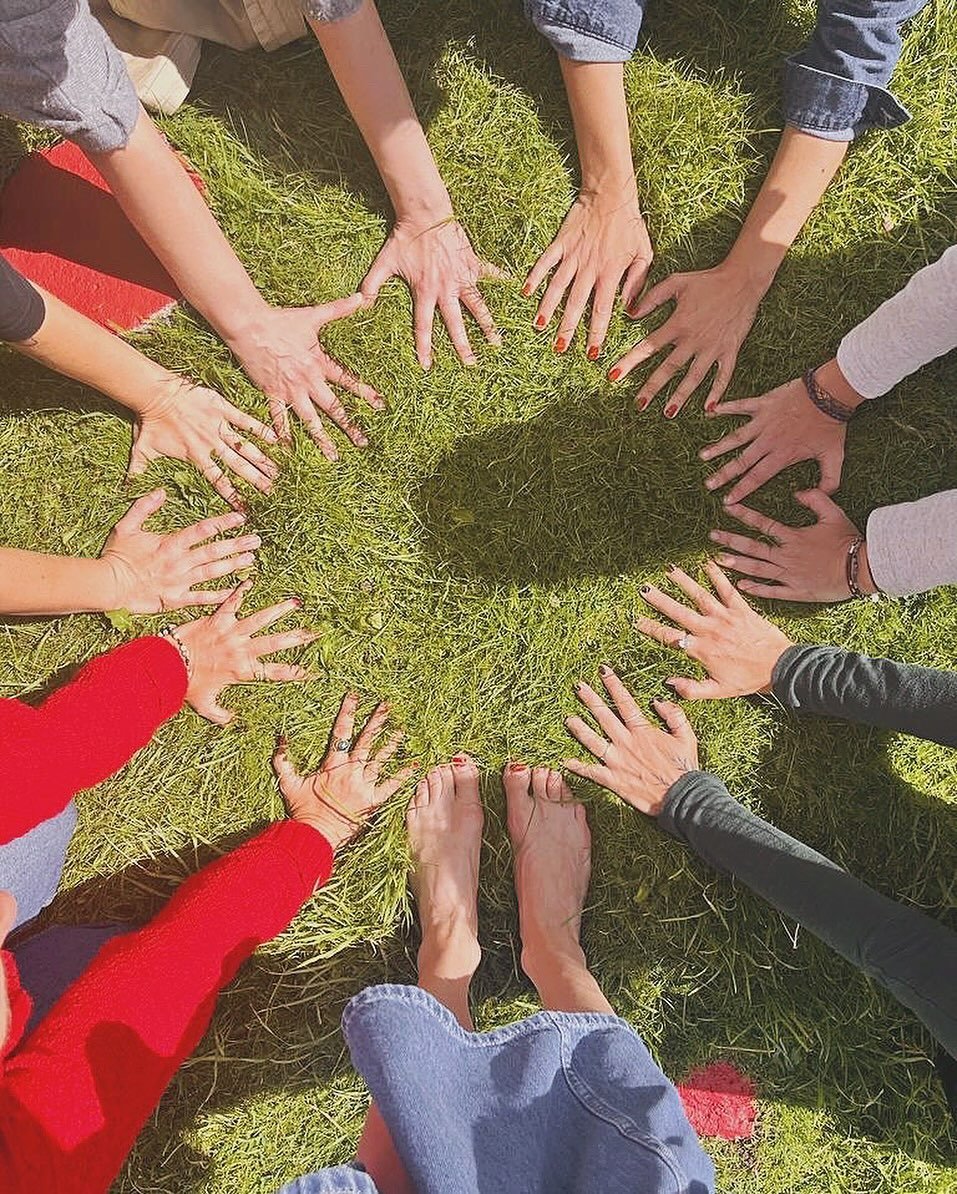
(222, 484)
(280, 420)
(672, 364)
(634, 280)
(737, 406)
(208, 528)
(389, 787)
(304, 408)
(594, 772)
(544, 265)
(750, 566)
(243, 421)
(244, 468)
(473, 300)
(820, 504)
(382, 756)
(370, 732)
(139, 462)
(424, 319)
(732, 469)
(602, 308)
(722, 379)
(272, 613)
(584, 734)
(560, 281)
(455, 325)
(197, 597)
(668, 636)
(289, 640)
(759, 475)
(628, 709)
(214, 712)
(284, 767)
(574, 310)
(758, 522)
(379, 273)
(219, 549)
(220, 568)
(340, 308)
(741, 543)
(488, 269)
(831, 465)
(141, 509)
(683, 391)
(706, 602)
(724, 588)
(640, 353)
(332, 406)
(756, 588)
(736, 439)
(255, 456)
(664, 292)
(345, 379)
(695, 690)
(610, 723)
(232, 602)
(672, 609)
(674, 718)
(285, 673)
(343, 726)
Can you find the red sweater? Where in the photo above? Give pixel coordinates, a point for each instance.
(74, 1097)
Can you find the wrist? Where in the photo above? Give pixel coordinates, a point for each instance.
(337, 831)
(753, 266)
(830, 377)
(114, 582)
(160, 395)
(608, 190)
(865, 579)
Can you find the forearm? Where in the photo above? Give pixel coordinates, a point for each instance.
(799, 175)
(878, 692)
(365, 69)
(909, 953)
(165, 207)
(32, 583)
(93, 1071)
(596, 96)
(79, 348)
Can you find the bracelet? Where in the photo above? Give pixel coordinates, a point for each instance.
(169, 633)
(853, 571)
(826, 403)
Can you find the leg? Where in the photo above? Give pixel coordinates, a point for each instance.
(444, 821)
(551, 844)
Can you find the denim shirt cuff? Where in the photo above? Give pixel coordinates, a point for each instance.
(579, 32)
(835, 108)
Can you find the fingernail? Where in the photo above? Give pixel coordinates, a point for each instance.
(526, 290)
(614, 374)
(670, 683)
(709, 407)
(281, 741)
(671, 567)
(561, 344)
(593, 352)
(604, 669)
(539, 321)
(297, 602)
(713, 535)
(255, 541)
(645, 589)
(670, 412)
(246, 560)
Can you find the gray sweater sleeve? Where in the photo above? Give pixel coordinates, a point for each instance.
(912, 547)
(878, 692)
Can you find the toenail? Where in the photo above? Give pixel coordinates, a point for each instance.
(517, 767)
(459, 760)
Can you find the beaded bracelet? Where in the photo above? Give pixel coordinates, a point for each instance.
(169, 632)
(826, 403)
(853, 571)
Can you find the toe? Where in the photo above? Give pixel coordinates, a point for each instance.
(556, 789)
(516, 777)
(539, 782)
(441, 782)
(434, 783)
(420, 797)
(465, 776)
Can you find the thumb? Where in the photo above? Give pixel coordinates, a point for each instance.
(380, 271)
(141, 509)
(213, 711)
(830, 465)
(817, 501)
(340, 308)
(657, 295)
(282, 765)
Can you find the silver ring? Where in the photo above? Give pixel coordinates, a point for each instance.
(342, 744)
(683, 642)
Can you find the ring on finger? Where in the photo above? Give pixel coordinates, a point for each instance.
(684, 642)
(342, 744)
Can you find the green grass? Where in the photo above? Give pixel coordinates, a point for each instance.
(487, 550)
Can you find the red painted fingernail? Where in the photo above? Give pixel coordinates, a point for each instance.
(593, 352)
(539, 321)
(614, 375)
(297, 602)
(670, 412)
(561, 344)
(526, 290)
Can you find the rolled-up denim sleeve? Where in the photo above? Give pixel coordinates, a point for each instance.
(58, 69)
(836, 87)
(329, 10)
(587, 32)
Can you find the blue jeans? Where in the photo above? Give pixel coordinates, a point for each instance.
(560, 1103)
(31, 865)
(835, 87)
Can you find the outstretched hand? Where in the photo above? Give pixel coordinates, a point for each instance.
(192, 423)
(732, 642)
(152, 573)
(637, 760)
(784, 427)
(349, 786)
(223, 651)
(282, 355)
(440, 267)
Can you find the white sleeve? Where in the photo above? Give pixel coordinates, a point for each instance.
(918, 324)
(912, 547)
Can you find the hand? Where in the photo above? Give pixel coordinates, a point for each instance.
(806, 563)
(222, 651)
(732, 642)
(151, 573)
(784, 427)
(600, 241)
(714, 311)
(283, 357)
(349, 786)
(191, 423)
(637, 761)
(441, 268)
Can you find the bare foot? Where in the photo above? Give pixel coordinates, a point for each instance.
(551, 844)
(444, 822)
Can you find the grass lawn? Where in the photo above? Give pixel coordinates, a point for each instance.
(487, 550)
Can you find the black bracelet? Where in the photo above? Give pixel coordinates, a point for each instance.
(169, 633)
(826, 403)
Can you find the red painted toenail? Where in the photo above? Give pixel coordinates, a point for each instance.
(517, 767)
(459, 760)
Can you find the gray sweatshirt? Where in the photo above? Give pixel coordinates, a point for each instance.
(913, 546)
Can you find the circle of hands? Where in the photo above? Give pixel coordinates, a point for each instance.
(601, 251)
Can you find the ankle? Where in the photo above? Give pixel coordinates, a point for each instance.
(449, 950)
(542, 960)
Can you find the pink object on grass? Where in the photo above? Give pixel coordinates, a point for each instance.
(719, 1101)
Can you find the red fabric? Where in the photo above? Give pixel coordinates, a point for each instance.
(719, 1101)
(61, 227)
(76, 1095)
(85, 731)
